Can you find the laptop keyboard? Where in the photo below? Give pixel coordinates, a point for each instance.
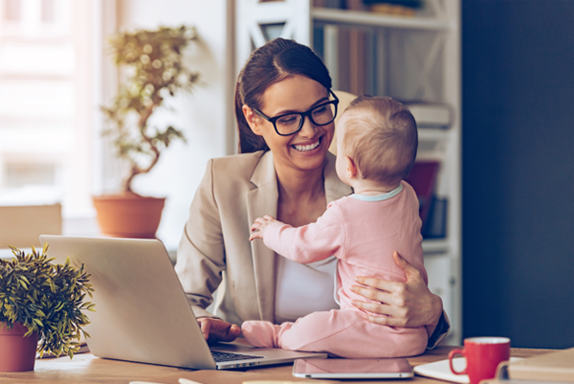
(224, 356)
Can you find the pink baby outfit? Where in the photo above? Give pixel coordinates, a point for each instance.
(362, 232)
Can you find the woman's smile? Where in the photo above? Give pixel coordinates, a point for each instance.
(307, 147)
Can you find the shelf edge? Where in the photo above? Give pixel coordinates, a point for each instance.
(362, 18)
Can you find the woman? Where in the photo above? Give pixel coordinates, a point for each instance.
(284, 170)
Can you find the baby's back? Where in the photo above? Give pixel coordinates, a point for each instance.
(373, 231)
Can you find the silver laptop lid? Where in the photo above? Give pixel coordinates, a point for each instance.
(142, 313)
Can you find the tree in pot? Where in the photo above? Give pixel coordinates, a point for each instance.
(155, 59)
(40, 301)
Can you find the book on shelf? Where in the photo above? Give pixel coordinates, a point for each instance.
(384, 7)
(404, 3)
(351, 64)
(355, 5)
(329, 3)
(392, 10)
(405, 8)
(429, 114)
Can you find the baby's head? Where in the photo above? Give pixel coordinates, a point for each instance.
(379, 135)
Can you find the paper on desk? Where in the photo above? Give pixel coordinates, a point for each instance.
(187, 381)
(441, 370)
(143, 382)
(282, 382)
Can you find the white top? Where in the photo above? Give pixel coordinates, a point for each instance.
(304, 288)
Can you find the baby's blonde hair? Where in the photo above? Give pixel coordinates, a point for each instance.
(381, 137)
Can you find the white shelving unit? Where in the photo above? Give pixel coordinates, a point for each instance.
(409, 58)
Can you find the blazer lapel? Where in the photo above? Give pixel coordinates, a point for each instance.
(263, 201)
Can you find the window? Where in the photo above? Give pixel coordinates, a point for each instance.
(48, 11)
(12, 10)
(45, 102)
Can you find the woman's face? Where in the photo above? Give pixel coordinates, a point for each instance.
(306, 149)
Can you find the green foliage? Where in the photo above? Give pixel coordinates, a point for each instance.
(46, 298)
(157, 70)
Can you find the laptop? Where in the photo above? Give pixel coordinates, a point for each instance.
(142, 313)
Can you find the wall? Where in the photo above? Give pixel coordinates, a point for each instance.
(518, 171)
(205, 115)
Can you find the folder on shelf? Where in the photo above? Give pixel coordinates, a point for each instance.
(435, 223)
(422, 178)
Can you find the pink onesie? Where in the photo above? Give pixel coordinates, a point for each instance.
(362, 232)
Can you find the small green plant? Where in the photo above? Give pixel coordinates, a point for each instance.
(155, 59)
(46, 298)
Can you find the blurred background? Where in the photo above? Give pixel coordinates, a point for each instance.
(516, 138)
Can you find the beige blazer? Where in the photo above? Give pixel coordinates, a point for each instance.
(215, 246)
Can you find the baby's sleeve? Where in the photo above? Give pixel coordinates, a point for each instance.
(309, 243)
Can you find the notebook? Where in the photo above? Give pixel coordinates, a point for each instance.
(441, 370)
(555, 366)
(142, 314)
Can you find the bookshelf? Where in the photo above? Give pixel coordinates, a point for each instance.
(414, 58)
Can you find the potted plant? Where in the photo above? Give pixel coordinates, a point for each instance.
(40, 301)
(155, 59)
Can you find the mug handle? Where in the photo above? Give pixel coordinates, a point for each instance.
(451, 355)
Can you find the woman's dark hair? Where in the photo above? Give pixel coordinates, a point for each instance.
(267, 65)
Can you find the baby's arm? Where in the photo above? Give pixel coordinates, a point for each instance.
(259, 225)
(309, 243)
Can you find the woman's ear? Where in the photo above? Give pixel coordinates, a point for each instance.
(252, 119)
(351, 168)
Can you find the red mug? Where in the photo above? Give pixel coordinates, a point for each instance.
(483, 354)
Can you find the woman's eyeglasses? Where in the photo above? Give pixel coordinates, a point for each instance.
(291, 123)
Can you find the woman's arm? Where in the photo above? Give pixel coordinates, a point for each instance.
(410, 304)
(200, 260)
(201, 254)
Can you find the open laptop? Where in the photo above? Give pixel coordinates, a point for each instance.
(142, 313)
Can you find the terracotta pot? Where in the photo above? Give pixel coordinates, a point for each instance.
(128, 215)
(17, 353)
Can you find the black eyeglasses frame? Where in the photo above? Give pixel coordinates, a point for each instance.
(272, 120)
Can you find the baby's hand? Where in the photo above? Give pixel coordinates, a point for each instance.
(259, 226)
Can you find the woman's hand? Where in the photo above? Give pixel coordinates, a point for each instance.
(410, 304)
(259, 225)
(215, 330)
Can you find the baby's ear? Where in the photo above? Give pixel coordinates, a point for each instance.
(252, 119)
(351, 168)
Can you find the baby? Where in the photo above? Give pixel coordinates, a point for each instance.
(376, 148)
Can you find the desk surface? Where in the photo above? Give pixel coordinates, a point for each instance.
(89, 369)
